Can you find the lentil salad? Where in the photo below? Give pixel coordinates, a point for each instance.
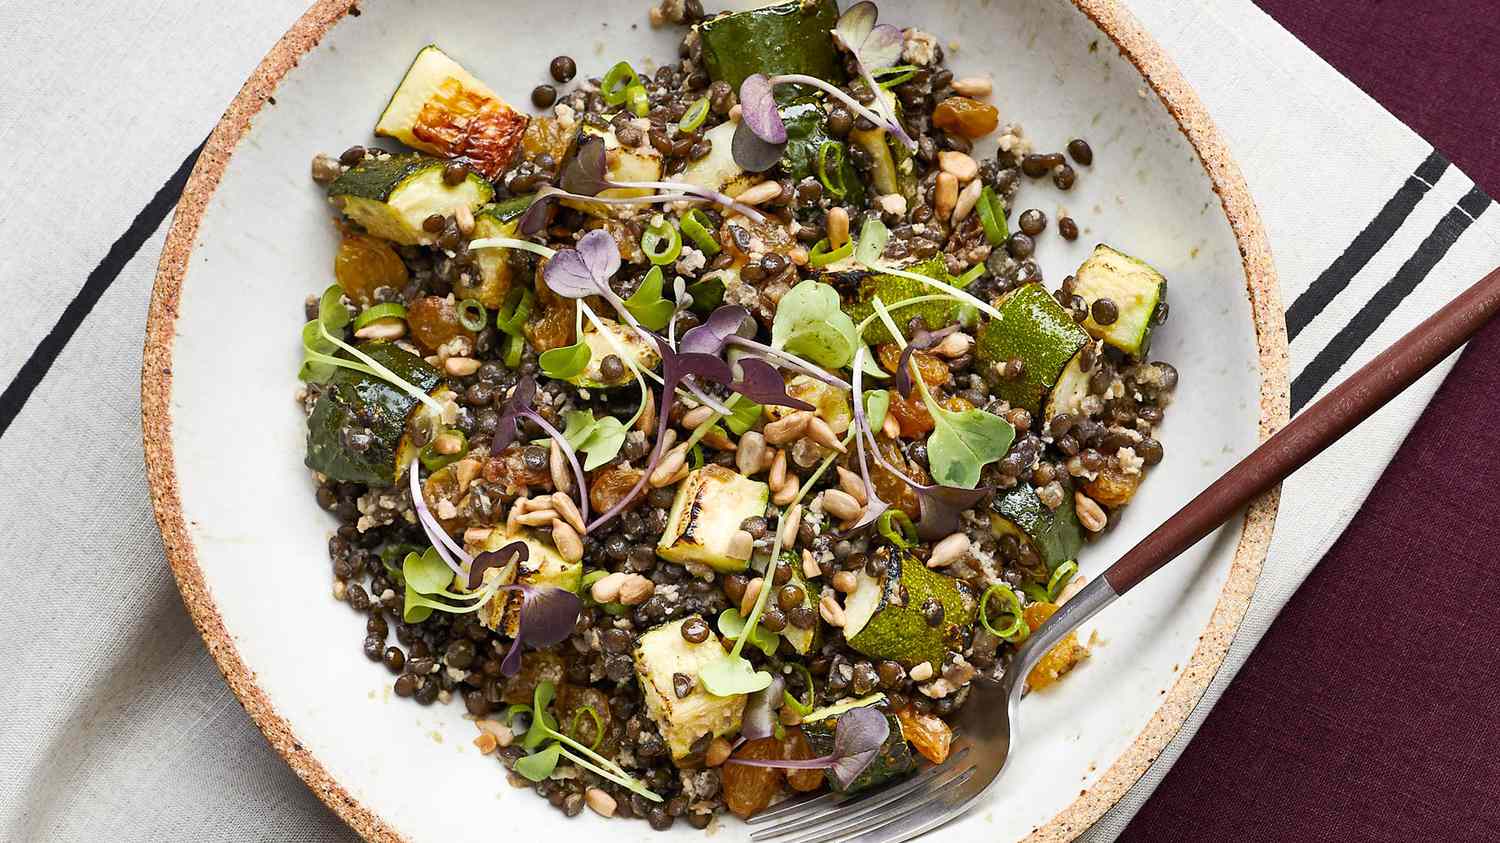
(709, 432)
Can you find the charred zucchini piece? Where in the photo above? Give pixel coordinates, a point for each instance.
(442, 109)
(602, 345)
(790, 37)
(711, 503)
(390, 196)
(893, 760)
(886, 618)
(894, 288)
(366, 405)
(1139, 294)
(1036, 330)
(1054, 535)
(804, 641)
(804, 156)
(544, 566)
(717, 170)
(660, 654)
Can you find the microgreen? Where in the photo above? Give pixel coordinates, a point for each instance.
(872, 239)
(761, 136)
(600, 439)
(874, 47)
(321, 338)
(744, 416)
(810, 322)
(510, 320)
(567, 361)
(790, 700)
(857, 739)
(517, 406)
(753, 154)
(544, 728)
(647, 305)
(731, 624)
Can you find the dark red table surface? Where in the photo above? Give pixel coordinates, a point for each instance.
(1371, 709)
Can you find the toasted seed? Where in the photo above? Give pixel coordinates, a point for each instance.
(797, 255)
(921, 673)
(557, 466)
(565, 539)
(667, 472)
(601, 802)
(383, 329)
(845, 582)
(647, 422)
(956, 344)
(568, 511)
(890, 427)
(447, 443)
(960, 164)
(788, 491)
(777, 477)
(750, 457)
(949, 550)
(477, 535)
(537, 518)
(463, 217)
(1090, 514)
(635, 589)
(607, 588)
(741, 545)
(461, 367)
(819, 432)
(755, 194)
(718, 752)
(853, 485)
(789, 429)
(340, 588)
(891, 203)
(947, 195)
(831, 611)
(810, 567)
(967, 199)
(694, 418)
(789, 526)
(734, 115)
(717, 439)
(499, 731)
(513, 518)
(840, 504)
(752, 593)
(838, 227)
(973, 86)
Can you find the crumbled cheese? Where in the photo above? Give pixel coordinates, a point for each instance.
(566, 116)
(691, 261)
(892, 203)
(937, 688)
(918, 47)
(1129, 462)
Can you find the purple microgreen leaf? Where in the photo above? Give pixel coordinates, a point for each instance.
(753, 153)
(942, 509)
(758, 109)
(760, 711)
(881, 48)
(569, 275)
(584, 174)
(726, 321)
(534, 219)
(760, 382)
(787, 360)
(515, 552)
(857, 740)
(874, 506)
(515, 406)
(601, 254)
(855, 25)
(922, 340)
(548, 615)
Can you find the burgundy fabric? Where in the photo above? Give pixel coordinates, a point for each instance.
(1371, 709)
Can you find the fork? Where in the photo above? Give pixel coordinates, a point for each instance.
(985, 729)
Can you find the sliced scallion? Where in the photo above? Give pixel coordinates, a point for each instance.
(434, 461)
(695, 115)
(992, 216)
(616, 82)
(831, 168)
(890, 77)
(698, 226)
(375, 313)
(472, 315)
(1017, 631)
(897, 527)
(661, 242)
(636, 101)
(598, 725)
(822, 255)
(1060, 579)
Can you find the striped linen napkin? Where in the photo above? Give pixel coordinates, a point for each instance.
(115, 723)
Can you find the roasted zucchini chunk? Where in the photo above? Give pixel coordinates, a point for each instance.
(391, 195)
(544, 566)
(790, 37)
(893, 760)
(499, 269)
(355, 428)
(885, 617)
(895, 288)
(1138, 292)
(604, 343)
(622, 163)
(442, 109)
(1036, 330)
(1054, 535)
(717, 170)
(711, 503)
(804, 641)
(662, 653)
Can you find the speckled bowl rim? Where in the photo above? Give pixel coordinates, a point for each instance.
(1260, 518)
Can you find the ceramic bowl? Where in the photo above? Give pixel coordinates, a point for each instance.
(253, 237)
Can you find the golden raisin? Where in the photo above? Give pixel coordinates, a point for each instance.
(1113, 487)
(547, 135)
(611, 484)
(796, 748)
(552, 318)
(933, 370)
(1062, 658)
(967, 117)
(509, 468)
(748, 789)
(364, 264)
(892, 489)
(434, 322)
(927, 732)
(957, 404)
(912, 414)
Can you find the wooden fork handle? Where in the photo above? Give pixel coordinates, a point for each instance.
(1314, 429)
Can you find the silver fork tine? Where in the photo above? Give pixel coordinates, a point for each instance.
(861, 805)
(793, 806)
(917, 820)
(866, 821)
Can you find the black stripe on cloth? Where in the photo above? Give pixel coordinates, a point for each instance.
(120, 253)
(1387, 298)
(1365, 245)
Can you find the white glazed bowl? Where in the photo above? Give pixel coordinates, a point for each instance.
(252, 238)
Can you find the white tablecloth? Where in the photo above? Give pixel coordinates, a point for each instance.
(114, 722)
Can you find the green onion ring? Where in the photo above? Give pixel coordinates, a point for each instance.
(824, 168)
(695, 115)
(897, 527)
(472, 315)
(433, 461)
(1060, 579)
(1018, 631)
(698, 226)
(636, 101)
(518, 305)
(615, 82)
(374, 313)
(655, 236)
(821, 255)
(992, 216)
(890, 77)
(598, 725)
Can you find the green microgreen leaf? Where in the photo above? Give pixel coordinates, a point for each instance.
(566, 362)
(426, 572)
(542, 724)
(744, 416)
(810, 322)
(732, 675)
(732, 623)
(646, 303)
(877, 404)
(539, 765)
(962, 443)
(599, 439)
